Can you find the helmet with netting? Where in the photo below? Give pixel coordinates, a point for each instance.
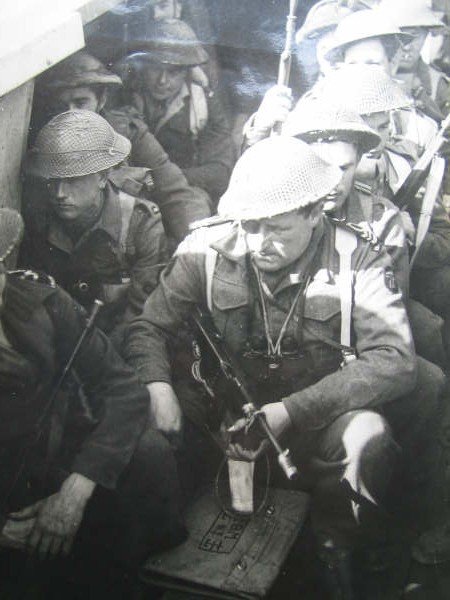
(275, 176)
(76, 143)
(364, 25)
(315, 120)
(411, 13)
(11, 231)
(321, 18)
(364, 89)
(80, 69)
(169, 42)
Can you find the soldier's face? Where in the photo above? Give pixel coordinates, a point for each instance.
(167, 9)
(77, 198)
(277, 242)
(79, 98)
(410, 52)
(345, 156)
(380, 122)
(163, 82)
(368, 52)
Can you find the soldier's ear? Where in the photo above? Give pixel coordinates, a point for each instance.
(104, 178)
(103, 97)
(315, 214)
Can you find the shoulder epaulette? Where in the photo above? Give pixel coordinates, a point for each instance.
(365, 188)
(209, 222)
(37, 277)
(361, 230)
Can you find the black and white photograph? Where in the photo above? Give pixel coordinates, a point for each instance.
(224, 299)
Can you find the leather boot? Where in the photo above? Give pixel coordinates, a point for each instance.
(337, 570)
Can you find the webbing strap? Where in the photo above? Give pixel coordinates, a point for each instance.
(127, 204)
(210, 265)
(346, 243)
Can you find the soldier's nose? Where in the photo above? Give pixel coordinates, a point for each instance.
(60, 188)
(162, 79)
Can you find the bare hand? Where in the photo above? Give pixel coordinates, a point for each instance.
(15, 533)
(275, 108)
(57, 518)
(165, 411)
(278, 420)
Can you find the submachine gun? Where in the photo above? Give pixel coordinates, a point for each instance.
(233, 373)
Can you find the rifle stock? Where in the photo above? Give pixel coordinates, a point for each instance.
(284, 69)
(416, 178)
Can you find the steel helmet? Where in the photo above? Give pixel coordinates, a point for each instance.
(169, 42)
(364, 89)
(363, 25)
(321, 18)
(275, 176)
(80, 69)
(411, 13)
(76, 143)
(315, 119)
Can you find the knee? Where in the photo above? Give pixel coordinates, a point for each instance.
(364, 428)
(430, 386)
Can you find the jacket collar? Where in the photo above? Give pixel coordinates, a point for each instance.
(109, 221)
(233, 247)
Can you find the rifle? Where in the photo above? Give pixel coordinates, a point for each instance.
(53, 442)
(415, 179)
(233, 373)
(284, 69)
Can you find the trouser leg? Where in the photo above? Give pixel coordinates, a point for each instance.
(122, 527)
(432, 288)
(428, 329)
(346, 467)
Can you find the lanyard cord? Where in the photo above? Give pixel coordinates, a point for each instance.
(274, 349)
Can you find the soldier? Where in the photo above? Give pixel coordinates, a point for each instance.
(315, 35)
(416, 19)
(67, 488)
(338, 134)
(270, 279)
(190, 124)
(95, 240)
(430, 279)
(82, 82)
(367, 36)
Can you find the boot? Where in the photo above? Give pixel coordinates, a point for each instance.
(337, 570)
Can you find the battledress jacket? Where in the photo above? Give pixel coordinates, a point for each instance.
(206, 159)
(43, 324)
(385, 365)
(180, 205)
(117, 260)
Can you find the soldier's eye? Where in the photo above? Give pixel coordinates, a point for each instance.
(251, 227)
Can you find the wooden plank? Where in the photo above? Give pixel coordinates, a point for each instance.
(36, 34)
(32, 55)
(91, 9)
(15, 109)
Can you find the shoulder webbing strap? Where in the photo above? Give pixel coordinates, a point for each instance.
(127, 204)
(210, 264)
(346, 243)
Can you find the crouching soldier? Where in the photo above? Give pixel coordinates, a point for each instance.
(66, 487)
(307, 310)
(95, 240)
